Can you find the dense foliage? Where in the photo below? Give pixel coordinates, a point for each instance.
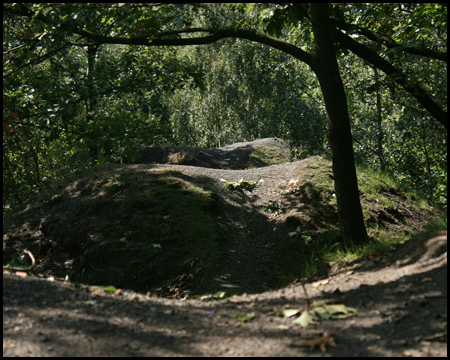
(211, 95)
(247, 92)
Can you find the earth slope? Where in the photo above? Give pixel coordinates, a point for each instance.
(125, 225)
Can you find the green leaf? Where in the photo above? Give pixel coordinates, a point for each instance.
(296, 232)
(239, 185)
(109, 289)
(220, 294)
(272, 207)
(249, 7)
(245, 317)
(223, 294)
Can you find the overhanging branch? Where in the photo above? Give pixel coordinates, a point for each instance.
(213, 36)
(373, 58)
(390, 43)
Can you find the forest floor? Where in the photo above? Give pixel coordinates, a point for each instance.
(173, 297)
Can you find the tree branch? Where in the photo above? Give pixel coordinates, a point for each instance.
(390, 43)
(37, 60)
(214, 35)
(413, 88)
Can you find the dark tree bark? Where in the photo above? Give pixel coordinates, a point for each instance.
(339, 132)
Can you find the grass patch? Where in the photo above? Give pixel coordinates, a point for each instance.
(304, 255)
(300, 259)
(436, 225)
(304, 260)
(265, 156)
(376, 185)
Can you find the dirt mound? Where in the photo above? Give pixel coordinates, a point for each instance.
(238, 156)
(177, 230)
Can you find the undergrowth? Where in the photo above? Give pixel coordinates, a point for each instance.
(312, 253)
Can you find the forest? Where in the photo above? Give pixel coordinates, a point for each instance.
(87, 84)
(225, 179)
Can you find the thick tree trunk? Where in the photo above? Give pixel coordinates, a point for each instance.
(339, 132)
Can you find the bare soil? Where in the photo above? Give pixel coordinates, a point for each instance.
(400, 296)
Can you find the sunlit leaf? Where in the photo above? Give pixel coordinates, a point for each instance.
(334, 311)
(288, 312)
(305, 319)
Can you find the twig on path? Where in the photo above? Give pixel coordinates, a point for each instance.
(30, 269)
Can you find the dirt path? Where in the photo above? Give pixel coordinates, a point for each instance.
(400, 298)
(251, 232)
(401, 302)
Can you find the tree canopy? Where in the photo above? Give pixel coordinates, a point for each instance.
(88, 83)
